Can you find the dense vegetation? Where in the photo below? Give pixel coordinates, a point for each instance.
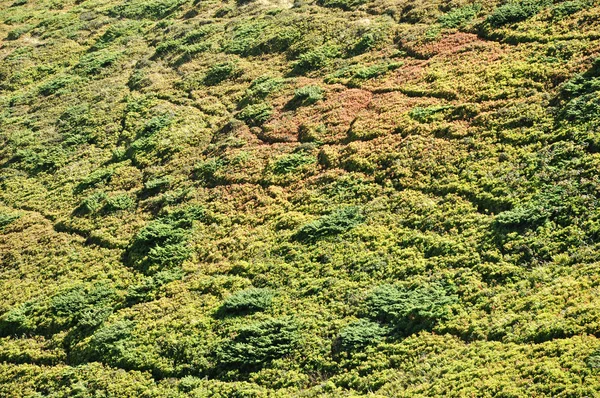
(260, 198)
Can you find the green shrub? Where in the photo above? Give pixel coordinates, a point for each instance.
(147, 289)
(567, 8)
(245, 37)
(209, 171)
(593, 360)
(360, 334)
(156, 185)
(354, 75)
(92, 64)
(515, 11)
(429, 114)
(92, 203)
(317, 58)
(107, 344)
(7, 219)
(56, 85)
(304, 96)
(76, 125)
(256, 114)
(290, 163)
(220, 72)
(260, 89)
(95, 178)
(247, 301)
(409, 310)
(119, 202)
(22, 319)
(144, 9)
(335, 223)
(346, 5)
(255, 345)
(84, 307)
(162, 244)
(523, 216)
(459, 17)
(18, 32)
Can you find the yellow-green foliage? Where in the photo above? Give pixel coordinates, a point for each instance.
(320, 198)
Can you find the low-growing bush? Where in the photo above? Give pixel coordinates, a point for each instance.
(220, 72)
(6, 219)
(255, 345)
(162, 244)
(335, 223)
(289, 163)
(305, 96)
(147, 289)
(247, 301)
(317, 58)
(360, 334)
(256, 114)
(92, 203)
(119, 202)
(143, 9)
(346, 5)
(567, 8)
(515, 11)
(409, 310)
(259, 90)
(56, 85)
(354, 75)
(459, 17)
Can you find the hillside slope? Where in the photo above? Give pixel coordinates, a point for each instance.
(276, 198)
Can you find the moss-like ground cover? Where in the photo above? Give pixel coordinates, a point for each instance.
(310, 198)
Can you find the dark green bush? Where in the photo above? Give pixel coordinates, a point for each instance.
(76, 125)
(260, 89)
(255, 345)
(346, 5)
(459, 17)
(44, 159)
(92, 203)
(292, 162)
(22, 319)
(95, 178)
(84, 307)
(515, 11)
(256, 114)
(147, 289)
(56, 85)
(567, 8)
(220, 72)
(119, 202)
(360, 334)
(304, 96)
(409, 310)
(7, 219)
(354, 75)
(109, 343)
(161, 244)
(315, 59)
(143, 9)
(429, 114)
(335, 223)
(156, 185)
(92, 64)
(524, 216)
(247, 301)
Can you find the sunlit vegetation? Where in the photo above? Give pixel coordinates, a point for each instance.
(320, 198)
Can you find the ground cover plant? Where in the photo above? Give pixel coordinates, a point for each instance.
(317, 198)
